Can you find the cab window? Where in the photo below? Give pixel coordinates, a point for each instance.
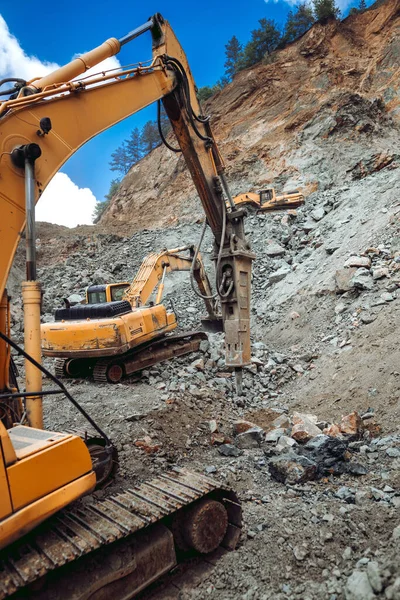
(118, 291)
(96, 297)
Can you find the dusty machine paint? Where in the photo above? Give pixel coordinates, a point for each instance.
(122, 334)
(57, 115)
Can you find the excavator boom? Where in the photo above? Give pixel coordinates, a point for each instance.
(267, 200)
(53, 116)
(42, 123)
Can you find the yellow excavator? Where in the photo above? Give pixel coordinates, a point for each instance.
(268, 201)
(52, 545)
(118, 331)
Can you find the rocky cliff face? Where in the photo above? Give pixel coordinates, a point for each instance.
(324, 116)
(324, 112)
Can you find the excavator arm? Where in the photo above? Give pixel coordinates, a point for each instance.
(152, 271)
(52, 117)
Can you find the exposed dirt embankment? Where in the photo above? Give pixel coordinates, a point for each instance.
(307, 119)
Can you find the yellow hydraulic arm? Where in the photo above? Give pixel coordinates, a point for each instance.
(152, 273)
(48, 119)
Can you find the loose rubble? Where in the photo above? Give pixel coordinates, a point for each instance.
(312, 446)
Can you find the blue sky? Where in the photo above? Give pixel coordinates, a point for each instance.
(55, 31)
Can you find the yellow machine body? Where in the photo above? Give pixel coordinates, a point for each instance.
(267, 200)
(106, 337)
(32, 484)
(42, 125)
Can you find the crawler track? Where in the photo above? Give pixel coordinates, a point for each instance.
(88, 526)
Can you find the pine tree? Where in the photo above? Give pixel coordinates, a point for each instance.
(204, 93)
(362, 6)
(325, 10)
(150, 138)
(120, 160)
(298, 22)
(233, 53)
(114, 187)
(133, 147)
(263, 41)
(102, 205)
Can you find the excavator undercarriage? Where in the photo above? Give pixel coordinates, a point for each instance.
(120, 545)
(113, 369)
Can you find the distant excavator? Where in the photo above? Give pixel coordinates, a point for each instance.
(267, 200)
(119, 331)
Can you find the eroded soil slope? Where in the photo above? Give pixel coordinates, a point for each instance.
(320, 114)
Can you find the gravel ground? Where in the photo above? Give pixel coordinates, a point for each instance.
(325, 316)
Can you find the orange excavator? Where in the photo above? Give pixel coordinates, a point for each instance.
(120, 330)
(268, 201)
(52, 545)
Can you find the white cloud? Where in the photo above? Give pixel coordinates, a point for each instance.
(13, 60)
(64, 203)
(15, 63)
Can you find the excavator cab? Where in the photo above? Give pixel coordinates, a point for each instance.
(110, 292)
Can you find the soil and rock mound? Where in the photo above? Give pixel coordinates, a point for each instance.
(312, 447)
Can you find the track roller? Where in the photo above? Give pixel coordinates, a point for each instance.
(70, 367)
(106, 371)
(201, 527)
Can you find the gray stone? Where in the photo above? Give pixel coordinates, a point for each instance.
(204, 345)
(279, 274)
(362, 497)
(318, 213)
(229, 450)
(346, 494)
(308, 226)
(211, 469)
(362, 279)
(380, 272)
(367, 318)
(252, 438)
(387, 297)
(285, 443)
(331, 247)
(358, 261)
(274, 249)
(292, 469)
(340, 308)
(343, 279)
(374, 576)
(198, 364)
(378, 494)
(74, 299)
(300, 552)
(358, 587)
(393, 452)
(396, 533)
(275, 434)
